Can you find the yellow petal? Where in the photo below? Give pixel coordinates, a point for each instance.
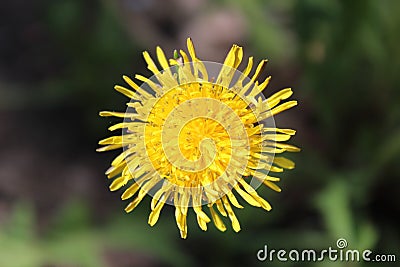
(130, 191)
(234, 57)
(276, 137)
(181, 222)
(162, 58)
(272, 185)
(136, 87)
(199, 65)
(275, 169)
(264, 204)
(273, 100)
(262, 177)
(248, 68)
(217, 220)
(191, 49)
(184, 56)
(283, 107)
(118, 183)
(115, 170)
(113, 114)
(202, 224)
(131, 206)
(239, 84)
(269, 113)
(264, 84)
(173, 62)
(255, 90)
(232, 216)
(152, 181)
(150, 63)
(126, 92)
(120, 158)
(284, 162)
(109, 147)
(249, 199)
(111, 140)
(202, 218)
(163, 193)
(184, 202)
(279, 130)
(117, 126)
(233, 200)
(259, 69)
(201, 214)
(271, 150)
(155, 214)
(220, 207)
(287, 147)
(155, 87)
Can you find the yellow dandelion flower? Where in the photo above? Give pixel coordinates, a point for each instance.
(198, 134)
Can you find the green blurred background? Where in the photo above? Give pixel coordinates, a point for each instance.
(59, 61)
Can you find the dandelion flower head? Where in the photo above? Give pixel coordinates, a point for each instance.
(198, 135)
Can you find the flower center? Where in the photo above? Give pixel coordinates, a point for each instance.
(195, 134)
